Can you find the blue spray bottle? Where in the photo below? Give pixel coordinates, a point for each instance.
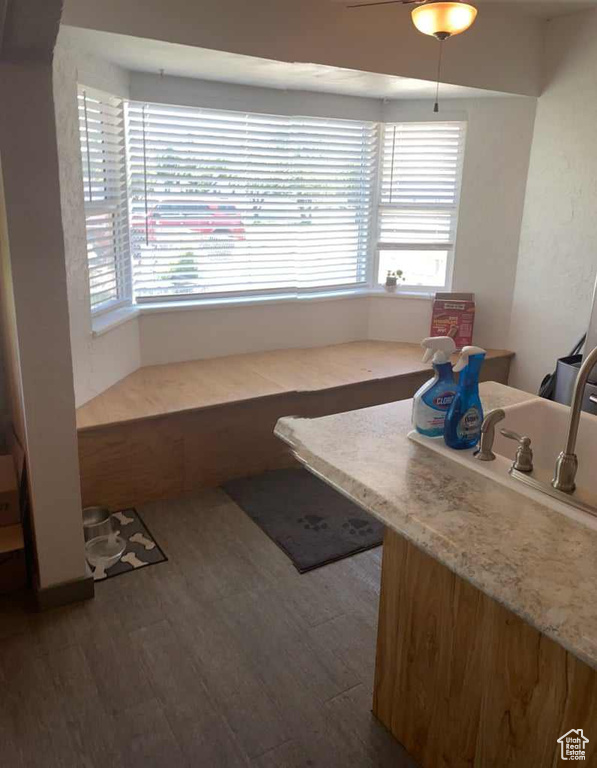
(462, 427)
(432, 400)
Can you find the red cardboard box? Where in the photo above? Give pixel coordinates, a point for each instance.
(454, 315)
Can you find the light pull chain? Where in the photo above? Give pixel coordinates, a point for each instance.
(439, 73)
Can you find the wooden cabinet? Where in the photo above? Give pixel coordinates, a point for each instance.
(462, 681)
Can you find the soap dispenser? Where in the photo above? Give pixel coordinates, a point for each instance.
(462, 426)
(432, 400)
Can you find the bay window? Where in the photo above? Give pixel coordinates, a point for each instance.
(186, 203)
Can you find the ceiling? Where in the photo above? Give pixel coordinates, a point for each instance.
(545, 9)
(143, 55)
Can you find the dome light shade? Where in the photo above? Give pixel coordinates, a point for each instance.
(442, 20)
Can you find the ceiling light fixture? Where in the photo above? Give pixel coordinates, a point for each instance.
(443, 20)
(435, 18)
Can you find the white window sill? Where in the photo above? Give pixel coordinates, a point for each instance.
(109, 320)
(231, 302)
(405, 293)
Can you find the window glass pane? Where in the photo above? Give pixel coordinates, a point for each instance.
(409, 226)
(227, 202)
(421, 163)
(101, 128)
(101, 256)
(424, 268)
(421, 171)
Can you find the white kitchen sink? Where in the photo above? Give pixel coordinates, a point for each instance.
(546, 423)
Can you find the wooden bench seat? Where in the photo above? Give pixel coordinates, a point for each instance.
(167, 430)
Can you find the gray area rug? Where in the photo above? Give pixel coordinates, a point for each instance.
(313, 524)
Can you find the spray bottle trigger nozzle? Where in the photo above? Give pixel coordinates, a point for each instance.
(438, 348)
(464, 356)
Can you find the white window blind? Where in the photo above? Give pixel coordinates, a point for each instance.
(421, 171)
(101, 124)
(234, 203)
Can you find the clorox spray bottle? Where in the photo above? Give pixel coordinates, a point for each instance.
(462, 428)
(432, 400)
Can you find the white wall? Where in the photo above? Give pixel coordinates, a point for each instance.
(34, 283)
(501, 52)
(98, 361)
(193, 334)
(205, 93)
(558, 249)
(399, 319)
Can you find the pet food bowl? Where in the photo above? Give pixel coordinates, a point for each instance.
(96, 522)
(105, 550)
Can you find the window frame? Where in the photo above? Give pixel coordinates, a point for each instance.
(117, 207)
(366, 215)
(416, 288)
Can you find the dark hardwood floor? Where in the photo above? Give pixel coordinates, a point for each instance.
(224, 656)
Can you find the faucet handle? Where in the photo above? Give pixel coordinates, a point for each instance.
(523, 461)
(511, 435)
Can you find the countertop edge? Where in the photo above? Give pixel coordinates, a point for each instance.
(417, 534)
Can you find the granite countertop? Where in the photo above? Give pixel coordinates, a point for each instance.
(535, 561)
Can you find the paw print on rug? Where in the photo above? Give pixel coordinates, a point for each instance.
(313, 523)
(355, 525)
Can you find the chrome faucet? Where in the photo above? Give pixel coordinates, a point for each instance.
(567, 463)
